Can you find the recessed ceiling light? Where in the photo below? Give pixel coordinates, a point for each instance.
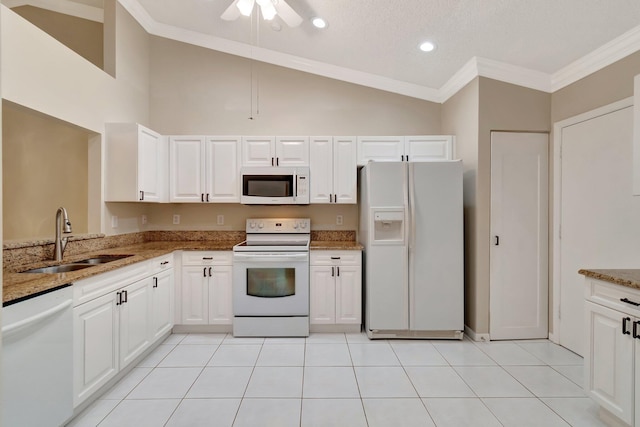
(427, 46)
(319, 22)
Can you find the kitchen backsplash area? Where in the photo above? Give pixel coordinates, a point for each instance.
(17, 254)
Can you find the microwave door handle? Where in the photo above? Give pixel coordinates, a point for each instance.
(295, 185)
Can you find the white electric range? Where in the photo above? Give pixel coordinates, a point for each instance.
(271, 279)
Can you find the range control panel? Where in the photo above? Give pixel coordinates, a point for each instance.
(278, 225)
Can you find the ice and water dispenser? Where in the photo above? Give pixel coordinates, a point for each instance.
(388, 226)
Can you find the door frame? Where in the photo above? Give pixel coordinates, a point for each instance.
(557, 199)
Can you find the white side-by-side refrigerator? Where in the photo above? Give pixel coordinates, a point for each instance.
(411, 224)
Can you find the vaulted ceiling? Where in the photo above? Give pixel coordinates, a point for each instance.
(543, 44)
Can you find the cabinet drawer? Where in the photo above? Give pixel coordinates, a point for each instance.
(93, 287)
(611, 295)
(207, 258)
(335, 257)
(161, 263)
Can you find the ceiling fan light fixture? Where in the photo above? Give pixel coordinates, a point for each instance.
(267, 9)
(318, 22)
(427, 46)
(245, 7)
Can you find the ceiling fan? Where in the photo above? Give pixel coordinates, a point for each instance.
(268, 8)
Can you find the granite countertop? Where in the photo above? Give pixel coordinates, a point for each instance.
(18, 286)
(624, 277)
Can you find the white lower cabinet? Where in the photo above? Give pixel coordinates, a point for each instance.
(95, 342)
(206, 288)
(116, 317)
(612, 357)
(335, 287)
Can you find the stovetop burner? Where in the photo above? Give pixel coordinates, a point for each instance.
(276, 235)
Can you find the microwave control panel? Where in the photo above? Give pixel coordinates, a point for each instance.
(302, 185)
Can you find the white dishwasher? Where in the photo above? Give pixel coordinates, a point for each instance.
(37, 360)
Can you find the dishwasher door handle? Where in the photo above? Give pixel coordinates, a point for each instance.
(13, 328)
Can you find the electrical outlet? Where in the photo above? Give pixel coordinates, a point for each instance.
(114, 221)
(143, 219)
(338, 219)
(176, 219)
(220, 219)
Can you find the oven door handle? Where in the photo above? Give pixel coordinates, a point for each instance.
(295, 185)
(270, 256)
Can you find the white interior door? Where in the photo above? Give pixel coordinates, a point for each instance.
(519, 228)
(599, 217)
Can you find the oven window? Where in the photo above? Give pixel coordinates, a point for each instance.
(271, 282)
(267, 185)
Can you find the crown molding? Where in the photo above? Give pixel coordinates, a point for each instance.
(607, 54)
(602, 57)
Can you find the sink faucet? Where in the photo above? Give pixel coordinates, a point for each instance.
(61, 242)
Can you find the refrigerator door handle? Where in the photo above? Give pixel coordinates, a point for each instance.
(410, 239)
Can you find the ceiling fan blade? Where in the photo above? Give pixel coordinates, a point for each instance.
(232, 13)
(288, 15)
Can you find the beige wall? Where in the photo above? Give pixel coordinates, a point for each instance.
(199, 91)
(196, 90)
(485, 105)
(460, 117)
(81, 35)
(604, 87)
(44, 167)
(505, 107)
(47, 77)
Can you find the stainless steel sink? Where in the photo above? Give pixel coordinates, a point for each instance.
(102, 259)
(64, 268)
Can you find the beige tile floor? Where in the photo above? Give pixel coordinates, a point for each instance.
(347, 380)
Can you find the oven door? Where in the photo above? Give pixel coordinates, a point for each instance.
(271, 284)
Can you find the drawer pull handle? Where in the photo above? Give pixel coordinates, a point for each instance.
(625, 331)
(335, 257)
(207, 257)
(628, 301)
(164, 263)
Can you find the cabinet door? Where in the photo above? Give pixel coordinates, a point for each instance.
(292, 151)
(150, 165)
(380, 149)
(321, 169)
(95, 346)
(186, 171)
(322, 295)
(428, 148)
(220, 307)
(221, 169)
(348, 294)
(609, 360)
(195, 295)
(345, 170)
(161, 304)
(135, 313)
(258, 151)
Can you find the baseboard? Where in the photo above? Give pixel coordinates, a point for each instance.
(474, 336)
(202, 329)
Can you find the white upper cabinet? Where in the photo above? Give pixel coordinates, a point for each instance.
(204, 169)
(419, 148)
(275, 151)
(428, 148)
(136, 164)
(380, 149)
(222, 178)
(333, 169)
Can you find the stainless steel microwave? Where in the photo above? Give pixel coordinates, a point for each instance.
(275, 186)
